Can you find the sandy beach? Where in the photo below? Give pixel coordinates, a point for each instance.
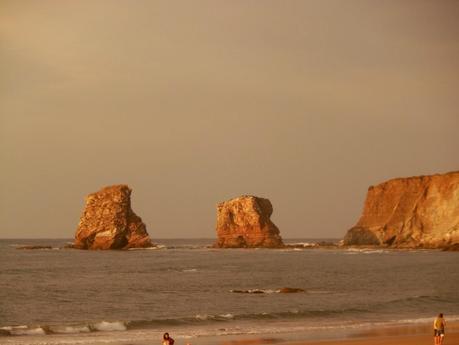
(450, 339)
(401, 335)
(420, 339)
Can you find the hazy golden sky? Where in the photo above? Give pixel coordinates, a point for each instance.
(306, 103)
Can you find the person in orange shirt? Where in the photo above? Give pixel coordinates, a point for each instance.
(439, 329)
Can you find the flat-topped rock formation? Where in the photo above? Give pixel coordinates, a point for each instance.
(414, 212)
(108, 222)
(244, 222)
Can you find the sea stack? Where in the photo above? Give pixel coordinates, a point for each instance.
(414, 212)
(108, 222)
(244, 222)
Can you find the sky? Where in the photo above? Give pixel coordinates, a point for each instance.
(191, 103)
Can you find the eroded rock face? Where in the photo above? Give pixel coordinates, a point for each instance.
(108, 222)
(410, 212)
(245, 222)
(452, 248)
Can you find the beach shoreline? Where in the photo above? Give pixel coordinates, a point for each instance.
(420, 339)
(405, 334)
(418, 334)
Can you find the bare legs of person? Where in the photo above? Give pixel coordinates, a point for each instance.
(440, 340)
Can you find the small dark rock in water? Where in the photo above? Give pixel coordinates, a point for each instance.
(248, 291)
(34, 247)
(260, 291)
(290, 290)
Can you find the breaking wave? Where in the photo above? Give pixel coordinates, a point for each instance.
(199, 319)
(102, 326)
(118, 326)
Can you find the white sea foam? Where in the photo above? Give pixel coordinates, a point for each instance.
(71, 329)
(9, 328)
(303, 244)
(377, 251)
(424, 320)
(190, 270)
(24, 330)
(110, 326)
(201, 316)
(365, 251)
(160, 246)
(205, 317)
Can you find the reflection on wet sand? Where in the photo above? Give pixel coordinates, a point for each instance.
(258, 341)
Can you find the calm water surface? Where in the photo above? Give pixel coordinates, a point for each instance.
(187, 287)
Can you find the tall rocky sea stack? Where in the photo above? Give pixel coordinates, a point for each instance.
(244, 222)
(108, 222)
(415, 212)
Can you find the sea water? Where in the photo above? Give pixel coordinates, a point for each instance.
(67, 296)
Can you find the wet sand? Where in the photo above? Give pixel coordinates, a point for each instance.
(450, 339)
(424, 339)
(399, 335)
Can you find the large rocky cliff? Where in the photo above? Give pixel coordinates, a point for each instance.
(108, 222)
(410, 212)
(244, 222)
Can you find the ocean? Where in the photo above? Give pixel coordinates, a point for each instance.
(67, 296)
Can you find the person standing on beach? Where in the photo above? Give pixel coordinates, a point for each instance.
(167, 340)
(439, 329)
